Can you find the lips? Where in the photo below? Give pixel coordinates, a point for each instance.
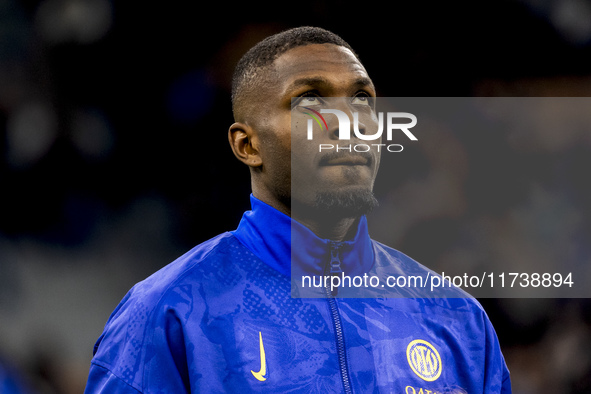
(346, 159)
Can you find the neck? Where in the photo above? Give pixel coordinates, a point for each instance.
(325, 223)
(337, 229)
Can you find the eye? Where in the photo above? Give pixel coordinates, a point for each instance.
(362, 99)
(308, 99)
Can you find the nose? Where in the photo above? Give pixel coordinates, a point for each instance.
(334, 128)
(359, 127)
(344, 129)
(342, 121)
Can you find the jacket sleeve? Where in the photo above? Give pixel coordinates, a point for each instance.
(497, 377)
(101, 380)
(506, 383)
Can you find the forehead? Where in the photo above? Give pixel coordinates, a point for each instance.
(335, 65)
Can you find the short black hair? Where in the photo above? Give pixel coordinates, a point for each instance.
(265, 52)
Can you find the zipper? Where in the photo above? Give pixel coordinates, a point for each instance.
(335, 258)
(334, 268)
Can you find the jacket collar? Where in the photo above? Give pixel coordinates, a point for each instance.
(270, 234)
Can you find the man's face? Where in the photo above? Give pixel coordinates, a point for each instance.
(293, 165)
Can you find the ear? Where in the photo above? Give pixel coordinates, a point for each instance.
(244, 144)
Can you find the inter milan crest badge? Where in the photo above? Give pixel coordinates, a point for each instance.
(424, 360)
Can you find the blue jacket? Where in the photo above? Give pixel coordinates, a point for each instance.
(221, 319)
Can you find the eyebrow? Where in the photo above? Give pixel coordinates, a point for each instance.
(323, 82)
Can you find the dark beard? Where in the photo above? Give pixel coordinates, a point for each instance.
(330, 205)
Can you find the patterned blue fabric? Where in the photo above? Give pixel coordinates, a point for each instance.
(221, 319)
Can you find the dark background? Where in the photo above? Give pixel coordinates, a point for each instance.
(113, 125)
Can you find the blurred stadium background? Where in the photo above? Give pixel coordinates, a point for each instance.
(113, 122)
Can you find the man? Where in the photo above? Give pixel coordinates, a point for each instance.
(221, 318)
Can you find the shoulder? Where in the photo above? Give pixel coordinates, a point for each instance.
(188, 267)
(432, 295)
(212, 257)
(156, 307)
(421, 281)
